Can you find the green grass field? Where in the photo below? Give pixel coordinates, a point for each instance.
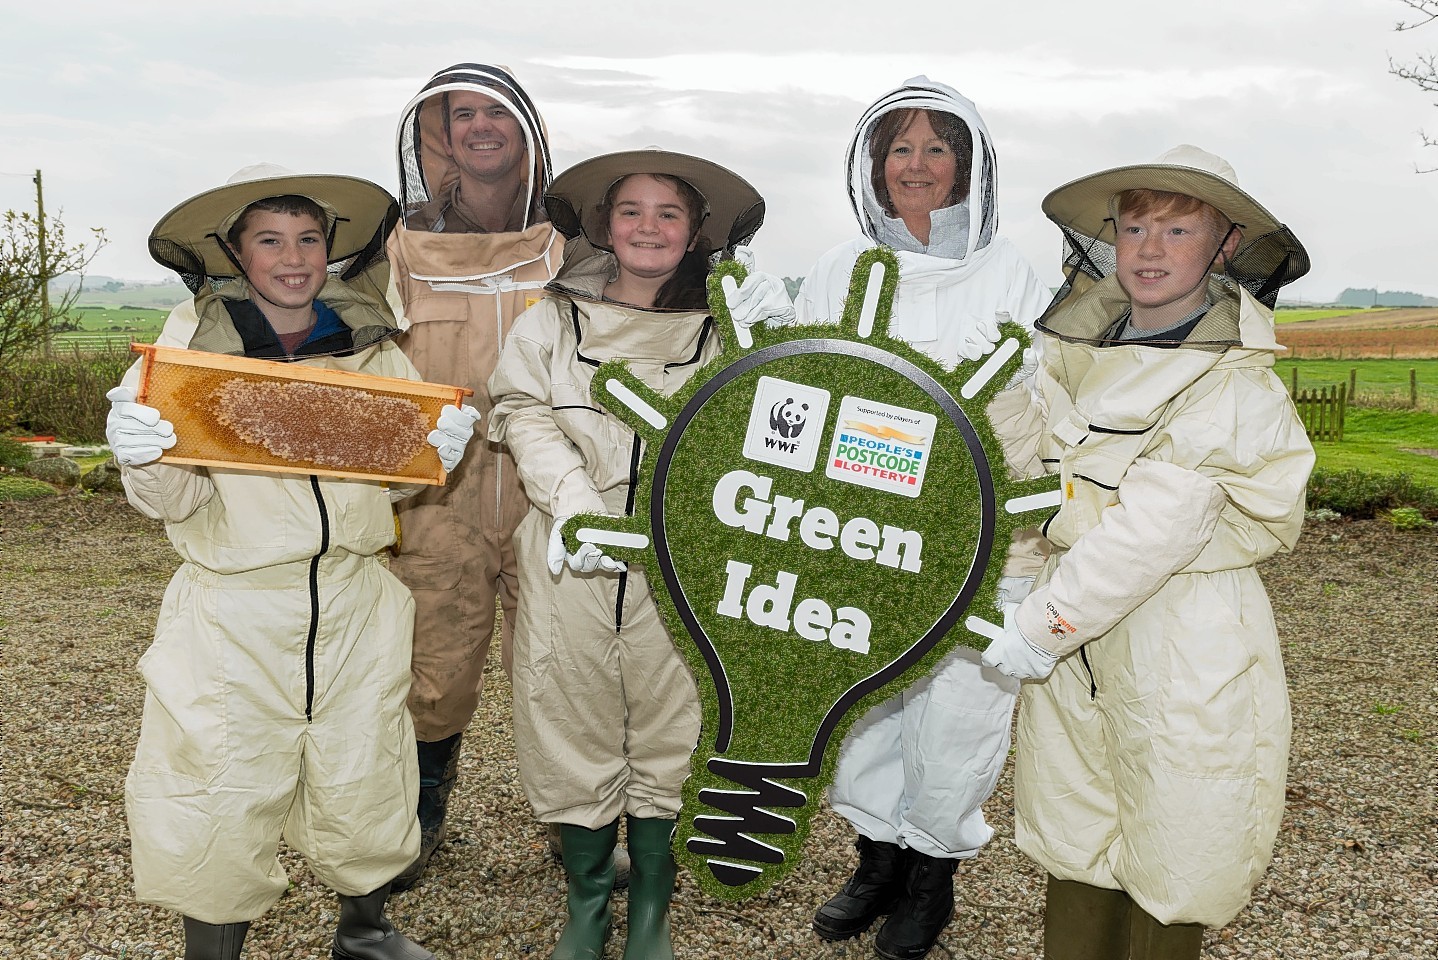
(1376, 440)
(100, 325)
(1293, 315)
(1387, 379)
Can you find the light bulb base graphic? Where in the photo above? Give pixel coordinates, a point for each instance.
(728, 840)
(816, 513)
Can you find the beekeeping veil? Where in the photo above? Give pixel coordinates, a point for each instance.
(1268, 256)
(426, 169)
(359, 215)
(969, 223)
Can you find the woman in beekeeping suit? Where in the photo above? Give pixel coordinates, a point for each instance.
(606, 714)
(914, 772)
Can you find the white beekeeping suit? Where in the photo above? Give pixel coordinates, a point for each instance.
(914, 772)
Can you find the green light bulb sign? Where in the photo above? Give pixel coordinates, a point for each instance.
(821, 505)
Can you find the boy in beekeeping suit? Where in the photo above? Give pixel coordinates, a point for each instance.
(1153, 739)
(276, 684)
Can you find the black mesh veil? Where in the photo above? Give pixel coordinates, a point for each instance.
(424, 169)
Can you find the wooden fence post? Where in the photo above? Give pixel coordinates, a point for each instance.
(1352, 381)
(1342, 410)
(1293, 391)
(1413, 387)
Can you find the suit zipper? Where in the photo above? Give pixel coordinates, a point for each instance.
(1092, 683)
(315, 598)
(498, 459)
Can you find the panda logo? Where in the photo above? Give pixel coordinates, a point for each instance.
(787, 418)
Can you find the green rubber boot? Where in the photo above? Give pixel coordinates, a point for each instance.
(589, 864)
(651, 887)
(213, 941)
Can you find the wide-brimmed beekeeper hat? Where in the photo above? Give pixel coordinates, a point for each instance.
(190, 238)
(1268, 256)
(1084, 204)
(733, 209)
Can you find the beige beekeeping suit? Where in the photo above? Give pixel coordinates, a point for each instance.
(1154, 758)
(606, 713)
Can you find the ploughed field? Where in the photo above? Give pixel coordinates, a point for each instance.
(1405, 333)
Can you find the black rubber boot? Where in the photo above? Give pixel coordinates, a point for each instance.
(556, 849)
(650, 890)
(438, 768)
(365, 934)
(1084, 922)
(213, 941)
(1151, 940)
(922, 912)
(589, 864)
(870, 893)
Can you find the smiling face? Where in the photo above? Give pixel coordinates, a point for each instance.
(485, 140)
(919, 173)
(1164, 258)
(283, 256)
(650, 227)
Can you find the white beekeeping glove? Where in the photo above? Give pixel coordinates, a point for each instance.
(981, 340)
(136, 433)
(1015, 655)
(452, 432)
(761, 298)
(586, 558)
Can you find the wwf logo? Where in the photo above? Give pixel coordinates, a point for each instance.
(788, 418)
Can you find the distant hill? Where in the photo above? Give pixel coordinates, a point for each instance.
(1369, 297)
(102, 291)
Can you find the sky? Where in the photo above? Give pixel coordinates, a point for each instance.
(130, 108)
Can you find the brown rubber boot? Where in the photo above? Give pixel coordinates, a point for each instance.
(1151, 940)
(1083, 922)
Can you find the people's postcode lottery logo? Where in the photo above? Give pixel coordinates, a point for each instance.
(881, 446)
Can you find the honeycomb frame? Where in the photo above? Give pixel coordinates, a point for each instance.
(184, 385)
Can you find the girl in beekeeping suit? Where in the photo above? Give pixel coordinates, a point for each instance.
(606, 713)
(276, 684)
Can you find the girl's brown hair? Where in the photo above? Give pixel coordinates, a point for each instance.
(688, 288)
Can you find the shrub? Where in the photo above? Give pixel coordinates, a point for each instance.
(13, 455)
(24, 488)
(1362, 495)
(1408, 518)
(63, 394)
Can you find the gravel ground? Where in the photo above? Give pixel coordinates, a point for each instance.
(1353, 875)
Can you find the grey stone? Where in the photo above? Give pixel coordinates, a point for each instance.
(104, 477)
(61, 471)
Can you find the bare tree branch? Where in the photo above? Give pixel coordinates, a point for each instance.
(1428, 8)
(1422, 72)
(27, 316)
